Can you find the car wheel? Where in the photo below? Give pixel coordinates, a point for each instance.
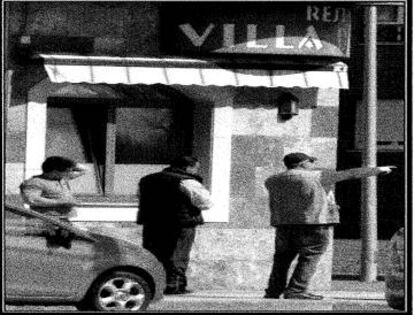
(118, 291)
(395, 272)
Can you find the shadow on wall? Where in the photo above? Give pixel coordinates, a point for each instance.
(23, 81)
(251, 98)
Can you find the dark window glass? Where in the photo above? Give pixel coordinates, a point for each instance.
(390, 27)
(386, 14)
(150, 135)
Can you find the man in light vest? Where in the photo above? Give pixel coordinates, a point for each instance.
(304, 211)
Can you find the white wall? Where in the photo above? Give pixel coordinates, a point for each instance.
(213, 126)
(14, 175)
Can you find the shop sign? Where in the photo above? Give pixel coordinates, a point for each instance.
(313, 30)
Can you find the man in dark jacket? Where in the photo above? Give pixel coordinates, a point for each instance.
(303, 210)
(170, 208)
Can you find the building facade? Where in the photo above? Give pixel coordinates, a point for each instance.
(391, 123)
(126, 87)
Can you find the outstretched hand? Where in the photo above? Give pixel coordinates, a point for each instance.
(386, 169)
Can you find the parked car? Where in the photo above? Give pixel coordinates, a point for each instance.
(394, 273)
(71, 266)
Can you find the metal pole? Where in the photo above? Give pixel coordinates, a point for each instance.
(369, 154)
(110, 151)
(7, 96)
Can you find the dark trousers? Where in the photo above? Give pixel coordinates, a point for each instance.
(307, 241)
(172, 246)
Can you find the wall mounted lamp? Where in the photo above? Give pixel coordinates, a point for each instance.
(288, 105)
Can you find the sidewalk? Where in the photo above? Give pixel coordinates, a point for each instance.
(343, 296)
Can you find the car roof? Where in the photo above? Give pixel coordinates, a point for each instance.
(34, 214)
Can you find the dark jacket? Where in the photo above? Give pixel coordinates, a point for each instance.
(162, 202)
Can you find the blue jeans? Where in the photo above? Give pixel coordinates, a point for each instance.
(307, 241)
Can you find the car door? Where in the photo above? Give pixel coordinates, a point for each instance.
(35, 270)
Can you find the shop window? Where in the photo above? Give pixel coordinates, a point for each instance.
(390, 29)
(390, 125)
(75, 133)
(147, 139)
(149, 135)
(390, 14)
(119, 143)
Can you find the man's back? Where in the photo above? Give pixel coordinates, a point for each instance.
(297, 197)
(162, 200)
(158, 194)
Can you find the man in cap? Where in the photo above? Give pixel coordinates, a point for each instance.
(303, 209)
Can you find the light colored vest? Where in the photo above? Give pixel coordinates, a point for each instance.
(297, 196)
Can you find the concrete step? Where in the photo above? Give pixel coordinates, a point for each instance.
(253, 301)
(362, 306)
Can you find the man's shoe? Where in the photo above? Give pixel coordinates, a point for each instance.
(170, 291)
(269, 295)
(184, 291)
(302, 296)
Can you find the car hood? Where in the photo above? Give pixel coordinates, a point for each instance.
(106, 243)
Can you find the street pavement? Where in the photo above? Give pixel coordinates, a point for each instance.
(344, 296)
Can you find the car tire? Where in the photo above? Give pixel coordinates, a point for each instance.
(395, 272)
(117, 291)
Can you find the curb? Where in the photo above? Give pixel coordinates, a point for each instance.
(353, 295)
(253, 301)
(237, 304)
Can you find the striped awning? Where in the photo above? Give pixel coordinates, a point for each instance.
(169, 71)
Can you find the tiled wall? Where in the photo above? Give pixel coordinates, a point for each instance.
(261, 139)
(229, 259)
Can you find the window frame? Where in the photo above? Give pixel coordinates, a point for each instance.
(399, 22)
(105, 172)
(382, 144)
